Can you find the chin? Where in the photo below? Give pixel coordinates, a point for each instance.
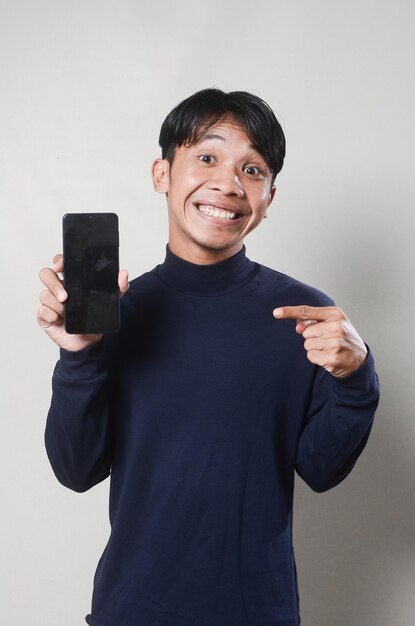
(211, 244)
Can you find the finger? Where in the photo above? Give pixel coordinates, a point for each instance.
(314, 344)
(47, 316)
(303, 324)
(50, 279)
(325, 329)
(318, 357)
(334, 344)
(49, 299)
(305, 312)
(123, 283)
(58, 263)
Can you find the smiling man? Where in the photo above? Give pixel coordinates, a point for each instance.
(218, 190)
(225, 378)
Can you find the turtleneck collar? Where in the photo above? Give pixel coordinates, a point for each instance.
(207, 280)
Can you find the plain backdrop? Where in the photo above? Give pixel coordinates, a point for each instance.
(84, 88)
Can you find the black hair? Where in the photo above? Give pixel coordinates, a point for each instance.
(187, 122)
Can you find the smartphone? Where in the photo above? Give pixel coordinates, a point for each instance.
(91, 266)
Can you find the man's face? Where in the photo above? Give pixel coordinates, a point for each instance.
(217, 192)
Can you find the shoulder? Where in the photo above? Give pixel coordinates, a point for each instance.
(145, 282)
(284, 287)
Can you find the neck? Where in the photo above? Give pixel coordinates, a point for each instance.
(206, 279)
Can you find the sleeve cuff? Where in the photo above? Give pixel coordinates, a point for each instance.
(363, 381)
(82, 365)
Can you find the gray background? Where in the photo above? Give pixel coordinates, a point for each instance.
(85, 86)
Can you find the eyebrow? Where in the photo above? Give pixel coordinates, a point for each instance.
(212, 136)
(215, 136)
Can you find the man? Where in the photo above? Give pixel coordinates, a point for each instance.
(207, 400)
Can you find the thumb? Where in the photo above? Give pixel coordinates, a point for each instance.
(302, 325)
(123, 283)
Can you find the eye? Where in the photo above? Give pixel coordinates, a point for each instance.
(206, 158)
(253, 171)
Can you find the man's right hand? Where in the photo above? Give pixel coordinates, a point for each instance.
(51, 310)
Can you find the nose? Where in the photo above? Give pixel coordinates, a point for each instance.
(227, 181)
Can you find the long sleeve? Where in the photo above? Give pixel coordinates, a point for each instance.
(337, 426)
(77, 434)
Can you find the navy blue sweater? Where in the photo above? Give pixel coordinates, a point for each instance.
(201, 408)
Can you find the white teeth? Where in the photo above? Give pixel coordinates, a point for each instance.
(215, 212)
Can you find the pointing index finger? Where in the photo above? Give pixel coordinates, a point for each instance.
(305, 312)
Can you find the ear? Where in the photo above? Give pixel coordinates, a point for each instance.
(160, 172)
(270, 198)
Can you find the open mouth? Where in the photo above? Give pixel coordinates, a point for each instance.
(213, 211)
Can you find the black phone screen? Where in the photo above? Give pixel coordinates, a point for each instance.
(90, 256)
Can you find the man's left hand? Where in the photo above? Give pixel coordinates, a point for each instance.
(331, 341)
